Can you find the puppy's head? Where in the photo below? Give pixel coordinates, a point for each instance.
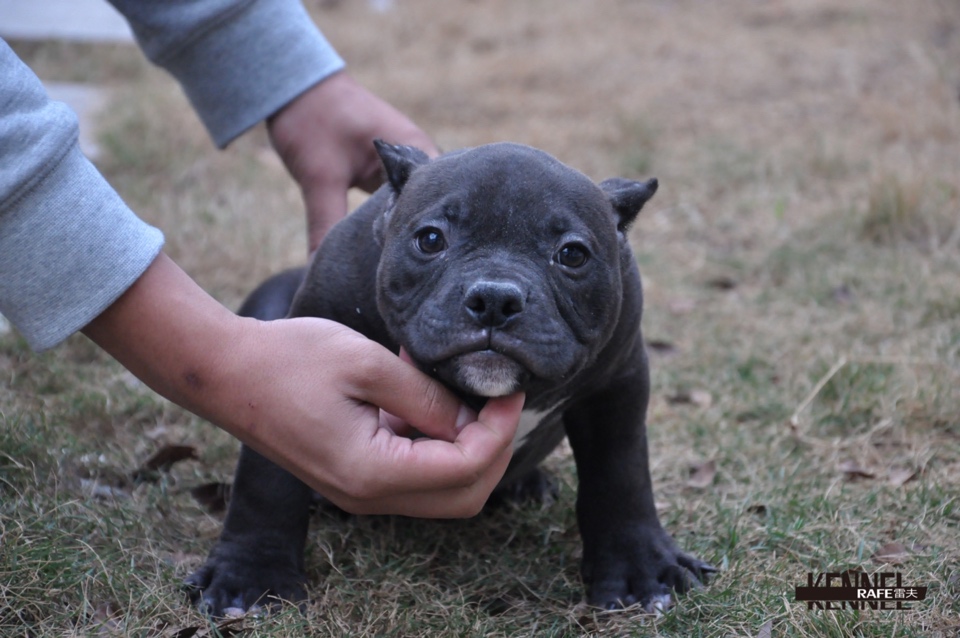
(501, 266)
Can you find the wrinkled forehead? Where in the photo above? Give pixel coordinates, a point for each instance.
(503, 183)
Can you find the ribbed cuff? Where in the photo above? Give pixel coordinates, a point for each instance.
(250, 66)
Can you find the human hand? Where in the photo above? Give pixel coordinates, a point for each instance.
(323, 401)
(304, 393)
(325, 139)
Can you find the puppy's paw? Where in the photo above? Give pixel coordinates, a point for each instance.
(235, 580)
(644, 570)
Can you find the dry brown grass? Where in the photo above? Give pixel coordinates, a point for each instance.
(800, 260)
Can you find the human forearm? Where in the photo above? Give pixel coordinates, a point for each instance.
(174, 337)
(305, 393)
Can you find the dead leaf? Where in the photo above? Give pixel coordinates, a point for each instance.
(166, 456)
(760, 509)
(702, 474)
(891, 554)
(212, 496)
(898, 476)
(700, 398)
(766, 630)
(853, 470)
(586, 617)
(722, 282)
(231, 627)
(661, 347)
(161, 461)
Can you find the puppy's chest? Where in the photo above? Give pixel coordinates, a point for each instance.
(535, 423)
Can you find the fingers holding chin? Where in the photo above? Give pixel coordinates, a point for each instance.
(457, 502)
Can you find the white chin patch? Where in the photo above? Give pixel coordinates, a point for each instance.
(488, 374)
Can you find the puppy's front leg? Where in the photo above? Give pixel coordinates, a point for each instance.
(259, 555)
(628, 558)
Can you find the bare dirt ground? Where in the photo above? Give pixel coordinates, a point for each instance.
(803, 311)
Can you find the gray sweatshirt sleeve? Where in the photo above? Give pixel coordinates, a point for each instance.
(69, 246)
(238, 61)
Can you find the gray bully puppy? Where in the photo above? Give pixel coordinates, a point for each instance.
(498, 269)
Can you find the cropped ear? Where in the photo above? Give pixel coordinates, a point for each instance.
(399, 162)
(627, 197)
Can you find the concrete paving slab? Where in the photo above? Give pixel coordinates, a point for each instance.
(79, 20)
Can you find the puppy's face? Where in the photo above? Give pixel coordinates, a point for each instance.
(500, 268)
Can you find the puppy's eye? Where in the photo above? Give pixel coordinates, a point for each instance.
(430, 240)
(572, 255)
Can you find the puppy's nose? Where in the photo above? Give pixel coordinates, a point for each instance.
(493, 303)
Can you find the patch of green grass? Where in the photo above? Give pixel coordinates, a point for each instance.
(922, 212)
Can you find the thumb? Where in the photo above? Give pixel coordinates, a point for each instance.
(414, 398)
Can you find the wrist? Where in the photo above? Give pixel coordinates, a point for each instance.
(176, 338)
